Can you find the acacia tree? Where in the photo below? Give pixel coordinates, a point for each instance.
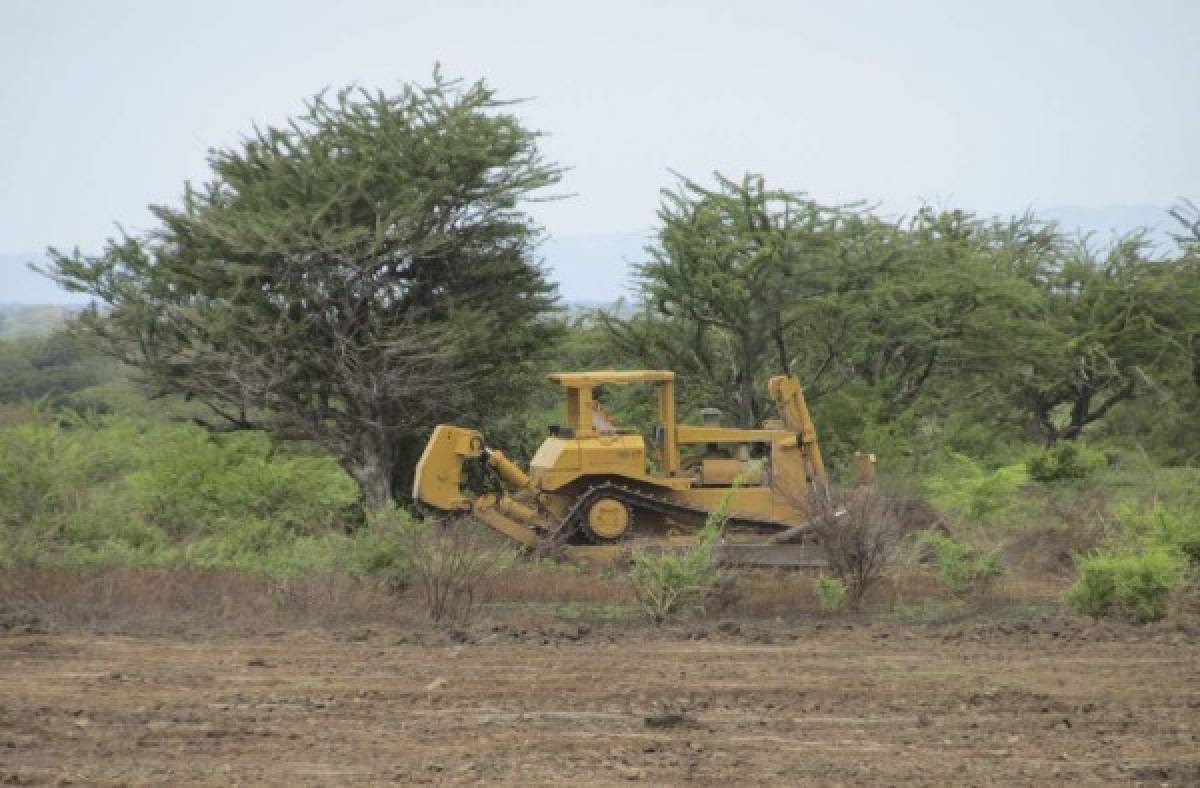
(747, 282)
(729, 291)
(1118, 322)
(945, 298)
(1187, 240)
(349, 278)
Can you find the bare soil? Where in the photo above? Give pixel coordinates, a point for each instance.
(1037, 701)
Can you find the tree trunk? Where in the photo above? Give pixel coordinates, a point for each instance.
(744, 392)
(372, 469)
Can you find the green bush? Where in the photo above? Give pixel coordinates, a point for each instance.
(668, 583)
(120, 491)
(1132, 585)
(963, 568)
(378, 552)
(1177, 529)
(967, 489)
(831, 594)
(1068, 461)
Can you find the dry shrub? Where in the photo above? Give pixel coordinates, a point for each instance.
(452, 562)
(184, 600)
(903, 586)
(1051, 550)
(773, 593)
(550, 583)
(11, 414)
(858, 534)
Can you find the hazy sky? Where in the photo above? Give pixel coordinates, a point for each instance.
(997, 106)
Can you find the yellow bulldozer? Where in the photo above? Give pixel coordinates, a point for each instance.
(592, 493)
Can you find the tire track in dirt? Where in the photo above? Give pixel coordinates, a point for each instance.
(821, 706)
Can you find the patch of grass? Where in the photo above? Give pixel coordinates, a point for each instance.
(831, 594)
(964, 568)
(187, 599)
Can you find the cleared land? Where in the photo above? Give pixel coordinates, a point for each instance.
(838, 702)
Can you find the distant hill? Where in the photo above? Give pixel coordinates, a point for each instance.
(24, 320)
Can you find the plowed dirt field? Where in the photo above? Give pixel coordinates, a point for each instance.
(1030, 703)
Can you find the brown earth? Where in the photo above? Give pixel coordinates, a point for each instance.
(1044, 700)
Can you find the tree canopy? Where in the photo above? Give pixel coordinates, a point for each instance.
(350, 277)
(938, 314)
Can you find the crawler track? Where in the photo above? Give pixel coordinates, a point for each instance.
(798, 552)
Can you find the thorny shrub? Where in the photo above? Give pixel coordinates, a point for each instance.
(449, 560)
(858, 532)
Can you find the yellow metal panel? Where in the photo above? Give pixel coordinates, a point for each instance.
(486, 510)
(790, 477)
(439, 471)
(793, 409)
(721, 471)
(618, 377)
(623, 455)
(693, 435)
(750, 501)
(556, 463)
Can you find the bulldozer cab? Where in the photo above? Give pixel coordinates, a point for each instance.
(586, 417)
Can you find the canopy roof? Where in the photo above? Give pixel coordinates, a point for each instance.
(617, 377)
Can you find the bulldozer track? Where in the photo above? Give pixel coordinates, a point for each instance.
(573, 522)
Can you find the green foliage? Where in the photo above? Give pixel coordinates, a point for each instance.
(342, 276)
(1177, 529)
(966, 488)
(831, 594)
(729, 275)
(668, 583)
(1065, 462)
(1115, 322)
(51, 368)
(945, 328)
(964, 569)
(1136, 585)
(378, 553)
(102, 491)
